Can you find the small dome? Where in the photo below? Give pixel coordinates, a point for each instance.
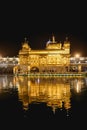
(48, 42)
(25, 45)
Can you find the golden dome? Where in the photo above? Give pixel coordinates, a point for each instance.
(53, 44)
(25, 45)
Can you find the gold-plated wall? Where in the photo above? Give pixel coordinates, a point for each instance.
(55, 58)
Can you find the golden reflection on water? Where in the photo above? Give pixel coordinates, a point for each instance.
(55, 92)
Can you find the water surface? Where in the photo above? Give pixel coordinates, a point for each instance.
(57, 102)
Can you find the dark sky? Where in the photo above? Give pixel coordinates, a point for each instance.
(38, 21)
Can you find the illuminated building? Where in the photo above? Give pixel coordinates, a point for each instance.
(55, 58)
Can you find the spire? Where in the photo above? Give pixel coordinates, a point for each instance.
(53, 39)
(25, 39)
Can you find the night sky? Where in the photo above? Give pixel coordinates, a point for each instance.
(38, 21)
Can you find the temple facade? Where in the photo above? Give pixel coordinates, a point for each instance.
(55, 58)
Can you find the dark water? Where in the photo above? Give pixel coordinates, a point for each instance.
(42, 103)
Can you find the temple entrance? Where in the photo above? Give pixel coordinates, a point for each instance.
(34, 70)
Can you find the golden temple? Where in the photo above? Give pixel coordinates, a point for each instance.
(55, 58)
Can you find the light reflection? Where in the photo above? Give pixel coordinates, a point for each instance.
(7, 82)
(78, 84)
(55, 92)
(78, 88)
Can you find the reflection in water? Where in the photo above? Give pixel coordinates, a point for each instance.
(78, 84)
(56, 93)
(7, 82)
